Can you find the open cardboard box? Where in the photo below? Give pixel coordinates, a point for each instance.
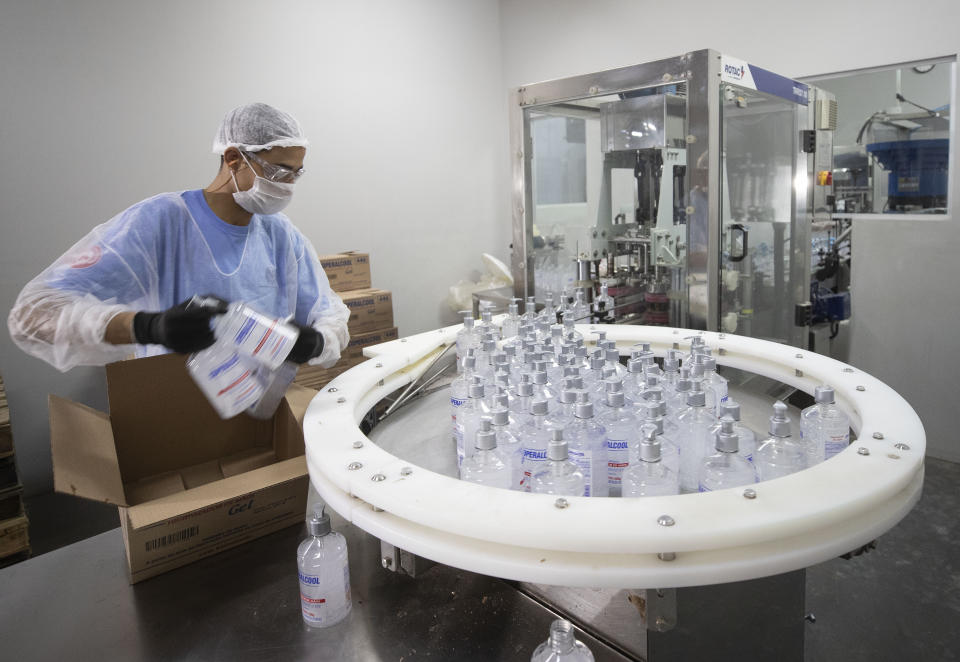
(188, 484)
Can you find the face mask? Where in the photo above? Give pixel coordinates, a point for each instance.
(264, 197)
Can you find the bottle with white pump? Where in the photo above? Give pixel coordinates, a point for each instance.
(570, 332)
(824, 428)
(650, 475)
(695, 440)
(534, 437)
(459, 388)
(467, 338)
(726, 468)
(652, 415)
(468, 421)
(677, 401)
(634, 384)
(603, 306)
(566, 403)
(324, 571)
(510, 326)
(558, 475)
(621, 433)
(587, 446)
(612, 360)
(714, 385)
(747, 437)
(779, 454)
(562, 646)
(486, 465)
(508, 444)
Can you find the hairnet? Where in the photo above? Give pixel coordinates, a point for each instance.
(257, 126)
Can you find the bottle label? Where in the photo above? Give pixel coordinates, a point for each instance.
(835, 444)
(618, 460)
(323, 599)
(584, 461)
(530, 461)
(267, 340)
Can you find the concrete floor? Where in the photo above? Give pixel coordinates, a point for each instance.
(898, 602)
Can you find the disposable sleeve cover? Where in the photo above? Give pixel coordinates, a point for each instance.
(323, 309)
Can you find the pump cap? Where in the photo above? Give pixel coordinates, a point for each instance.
(652, 416)
(486, 438)
(652, 380)
(539, 407)
(584, 408)
(612, 356)
(696, 397)
(731, 408)
(596, 363)
(469, 362)
(635, 366)
(500, 416)
(502, 400)
(468, 321)
(671, 364)
(780, 422)
(524, 388)
(728, 441)
(557, 448)
(708, 362)
(475, 391)
(574, 382)
(649, 444)
(615, 398)
(318, 523)
(824, 395)
(568, 397)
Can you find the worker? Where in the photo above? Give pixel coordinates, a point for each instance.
(129, 286)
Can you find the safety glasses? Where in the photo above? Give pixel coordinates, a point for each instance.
(276, 173)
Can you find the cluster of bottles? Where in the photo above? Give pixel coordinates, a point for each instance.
(533, 410)
(246, 368)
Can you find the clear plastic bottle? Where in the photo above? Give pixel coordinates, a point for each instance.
(581, 309)
(726, 468)
(779, 455)
(549, 313)
(652, 415)
(543, 389)
(612, 360)
(634, 384)
(587, 446)
(534, 436)
(714, 385)
(508, 444)
(694, 437)
(621, 433)
(459, 387)
(558, 475)
(486, 466)
(529, 312)
(468, 421)
(566, 404)
(467, 338)
(650, 476)
(264, 339)
(324, 573)
(747, 437)
(677, 401)
(671, 374)
(562, 646)
(824, 428)
(522, 399)
(570, 332)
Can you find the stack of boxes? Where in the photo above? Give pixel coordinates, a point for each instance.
(371, 314)
(14, 526)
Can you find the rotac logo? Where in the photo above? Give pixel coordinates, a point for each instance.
(737, 72)
(240, 507)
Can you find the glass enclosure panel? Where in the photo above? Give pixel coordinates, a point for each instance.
(760, 138)
(892, 144)
(608, 183)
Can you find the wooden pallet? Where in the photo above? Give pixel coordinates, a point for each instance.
(14, 536)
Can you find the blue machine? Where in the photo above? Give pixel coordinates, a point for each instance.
(918, 175)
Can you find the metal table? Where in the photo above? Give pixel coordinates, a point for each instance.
(243, 604)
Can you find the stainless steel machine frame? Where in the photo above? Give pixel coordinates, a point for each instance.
(700, 306)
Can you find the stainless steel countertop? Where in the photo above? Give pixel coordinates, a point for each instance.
(243, 604)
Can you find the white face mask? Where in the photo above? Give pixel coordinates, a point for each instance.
(265, 196)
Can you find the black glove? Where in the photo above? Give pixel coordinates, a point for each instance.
(309, 344)
(184, 328)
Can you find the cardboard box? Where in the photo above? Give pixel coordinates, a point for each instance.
(188, 484)
(347, 271)
(370, 309)
(316, 377)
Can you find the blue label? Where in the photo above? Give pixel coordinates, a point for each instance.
(781, 86)
(309, 579)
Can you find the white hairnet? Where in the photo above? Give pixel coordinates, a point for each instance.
(255, 127)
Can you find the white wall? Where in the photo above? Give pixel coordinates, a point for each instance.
(105, 103)
(903, 282)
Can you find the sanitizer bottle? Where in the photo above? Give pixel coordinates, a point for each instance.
(324, 573)
(562, 645)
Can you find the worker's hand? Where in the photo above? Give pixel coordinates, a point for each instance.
(309, 345)
(184, 328)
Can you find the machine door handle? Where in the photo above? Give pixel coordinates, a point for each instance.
(744, 233)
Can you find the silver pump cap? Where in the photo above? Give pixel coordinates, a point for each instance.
(470, 362)
(601, 335)
(500, 416)
(557, 448)
(608, 372)
(635, 366)
(468, 321)
(728, 441)
(671, 364)
(525, 387)
(539, 407)
(612, 385)
(780, 422)
(574, 382)
(514, 309)
(696, 371)
(500, 358)
(683, 385)
(824, 395)
(649, 444)
(556, 331)
(568, 397)
(486, 315)
(596, 363)
(652, 380)
(510, 351)
(580, 351)
(708, 362)
(486, 438)
(696, 397)
(584, 408)
(652, 416)
(540, 377)
(615, 398)
(612, 356)
(502, 400)
(731, 408)
(475, 391)
(318, 523)
(571, 371)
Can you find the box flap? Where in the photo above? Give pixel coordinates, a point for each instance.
(299, 397)
(162, 422)
(184, 503)
(84, 456)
